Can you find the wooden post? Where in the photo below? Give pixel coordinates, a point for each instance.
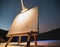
(35, 40)
(19, 39)
(28, 41)
(8, 41)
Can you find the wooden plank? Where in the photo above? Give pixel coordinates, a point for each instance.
(35, 40)
(28, 41)
(20, 34)
(19, 39)
(8, 41)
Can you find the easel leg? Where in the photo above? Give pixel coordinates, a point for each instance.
(8, 41)
(28, 42)
(35, 39)
(19, 39)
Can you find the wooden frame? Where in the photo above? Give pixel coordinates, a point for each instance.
(28, 41)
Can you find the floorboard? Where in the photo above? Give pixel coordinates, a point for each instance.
(44, 43)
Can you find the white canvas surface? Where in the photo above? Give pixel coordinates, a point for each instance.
(25, 22)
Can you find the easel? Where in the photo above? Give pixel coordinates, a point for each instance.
(28, 41)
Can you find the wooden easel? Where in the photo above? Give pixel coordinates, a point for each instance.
(28, 41)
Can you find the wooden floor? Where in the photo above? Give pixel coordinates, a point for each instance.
(45, 43)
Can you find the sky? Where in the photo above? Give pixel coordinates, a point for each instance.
(48, 12)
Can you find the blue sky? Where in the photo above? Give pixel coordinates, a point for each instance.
(49, 13)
